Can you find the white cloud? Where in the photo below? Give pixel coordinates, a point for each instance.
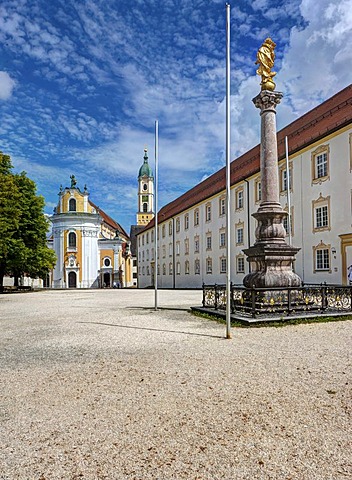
(317, 63)
(7, 85)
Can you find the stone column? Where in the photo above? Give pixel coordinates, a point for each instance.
(270, 257)
(267, 102)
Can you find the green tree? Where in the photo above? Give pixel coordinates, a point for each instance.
(23, 226)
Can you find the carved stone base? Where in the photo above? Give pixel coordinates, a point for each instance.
(271, 266)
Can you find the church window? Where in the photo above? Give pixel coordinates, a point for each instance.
(72, 240)
(145, 207)
(145, 187)
(72, 205)
(107, 262)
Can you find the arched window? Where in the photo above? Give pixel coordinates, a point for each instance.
(145, 207)
(72, 205)
(72, 239)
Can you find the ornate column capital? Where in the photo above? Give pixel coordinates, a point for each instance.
(267, 100)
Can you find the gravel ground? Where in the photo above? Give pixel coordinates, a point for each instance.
(97, 385)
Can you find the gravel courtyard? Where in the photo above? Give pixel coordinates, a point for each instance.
(97, 385)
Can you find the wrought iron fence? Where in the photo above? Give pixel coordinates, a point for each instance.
(257, 302)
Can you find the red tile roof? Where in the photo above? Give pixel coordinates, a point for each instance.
(329, 116)
(109, 221)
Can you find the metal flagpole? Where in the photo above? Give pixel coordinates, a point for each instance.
(288, 181)
(228, 193)
(156, 150)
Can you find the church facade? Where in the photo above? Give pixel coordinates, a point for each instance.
(192, 228)
(93, 251)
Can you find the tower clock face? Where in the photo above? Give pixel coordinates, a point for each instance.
(145, 186)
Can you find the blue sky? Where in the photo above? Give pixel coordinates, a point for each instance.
(82, 82)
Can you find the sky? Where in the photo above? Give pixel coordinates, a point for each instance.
(83, 81)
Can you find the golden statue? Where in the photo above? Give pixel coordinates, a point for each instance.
(265, 58)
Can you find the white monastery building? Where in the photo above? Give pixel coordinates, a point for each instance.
(192, 248)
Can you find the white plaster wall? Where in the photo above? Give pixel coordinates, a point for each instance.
(339, 187)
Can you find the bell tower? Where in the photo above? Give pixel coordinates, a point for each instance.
(145, 192)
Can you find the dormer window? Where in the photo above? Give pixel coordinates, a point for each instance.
(72, 205)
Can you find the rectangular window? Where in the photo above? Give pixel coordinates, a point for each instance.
(209, 242)
(187, 267)
(170, 228)
(321, 217)
(209, 265)
(321, 165)
(222, 265)
(207, 213)
(239, 199)
(240, 265)
(170, 249)
(147, 237)
(222, 239)
(239, 236)
(196, 217)
(258, 191)
(163, 231)
(186, 246)
(197, 267)
(177, 224)
(322, 259)
(186, 221)
(177, 248)
(222, 206)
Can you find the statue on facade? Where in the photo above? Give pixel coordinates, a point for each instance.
(265, 59)
(73, 181)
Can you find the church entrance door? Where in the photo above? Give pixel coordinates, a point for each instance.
(107, 282)
(72, 280)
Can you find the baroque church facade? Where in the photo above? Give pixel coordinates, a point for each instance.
(92, 249)
(192, 228)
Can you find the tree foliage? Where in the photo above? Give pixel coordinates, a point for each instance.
(23, 226)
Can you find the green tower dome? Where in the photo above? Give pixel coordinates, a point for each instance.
(145, 170)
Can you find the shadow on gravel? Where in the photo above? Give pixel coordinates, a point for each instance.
(154, 329)
(182, 309)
